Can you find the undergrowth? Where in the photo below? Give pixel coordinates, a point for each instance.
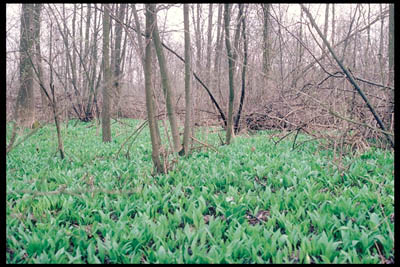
(249, 202)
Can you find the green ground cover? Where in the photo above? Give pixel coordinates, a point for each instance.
(250, 202)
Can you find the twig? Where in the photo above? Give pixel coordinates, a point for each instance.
(137, 129)
(349, 76)
(204, 144)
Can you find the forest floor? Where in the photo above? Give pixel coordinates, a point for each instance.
(254, 201)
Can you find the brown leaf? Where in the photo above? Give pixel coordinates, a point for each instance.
(262, 215)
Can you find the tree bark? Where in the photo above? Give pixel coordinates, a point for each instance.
(231, 63)
(168, 92)
(209, 31)
(25, 106)
(105, 114)
(148, 89)
(117, 61)
(218, 50)
(391, 65)
(266, 63)
(242, 95)
(188, 81)
(38, 56)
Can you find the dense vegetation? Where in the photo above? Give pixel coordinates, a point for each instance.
(249, 202)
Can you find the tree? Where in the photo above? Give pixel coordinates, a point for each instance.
(244, 67)
(118, 57)
(155, 140)
(232, 55)
(227, 16)
(391, 64)
(188, 80)
(209, 39)
(38, 56)
(25, 106)
(53, 100)
(218, 49)
(105, 114)
(266, 60)
(349, 76)
(168, 92)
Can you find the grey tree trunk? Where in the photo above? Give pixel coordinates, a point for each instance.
(391, 64)
(242, 95)
(93, 63)
(105, 114)
(117, 62)
(25, 106)
(231, 64)
(168, 92)
(266, 60)
(38, 56)
(218, 50)
(188, 80)
(209, 31)
(149, 88)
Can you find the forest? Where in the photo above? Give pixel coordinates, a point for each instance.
(200, 133)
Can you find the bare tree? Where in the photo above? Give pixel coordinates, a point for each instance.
(209, 39)
(266, 46)
(168, 92)
(218, 49)
(155, 140)
(38, 56)
(244, 67)
(117, 59)
(25, 106)
(349, 76)
(232, 55)
(188, 81)
(105, 114)
(391, 65)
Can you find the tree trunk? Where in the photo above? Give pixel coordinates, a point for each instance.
(38, 56)
(117, 62)
(188, 81)
(391, 65)
(168, 92)
(25, 106)
(105, 114)
(218, 50)
(229, 128)
(245, 47)
(93, 62)
(209, 31)
(149, 88)
(266, 63)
